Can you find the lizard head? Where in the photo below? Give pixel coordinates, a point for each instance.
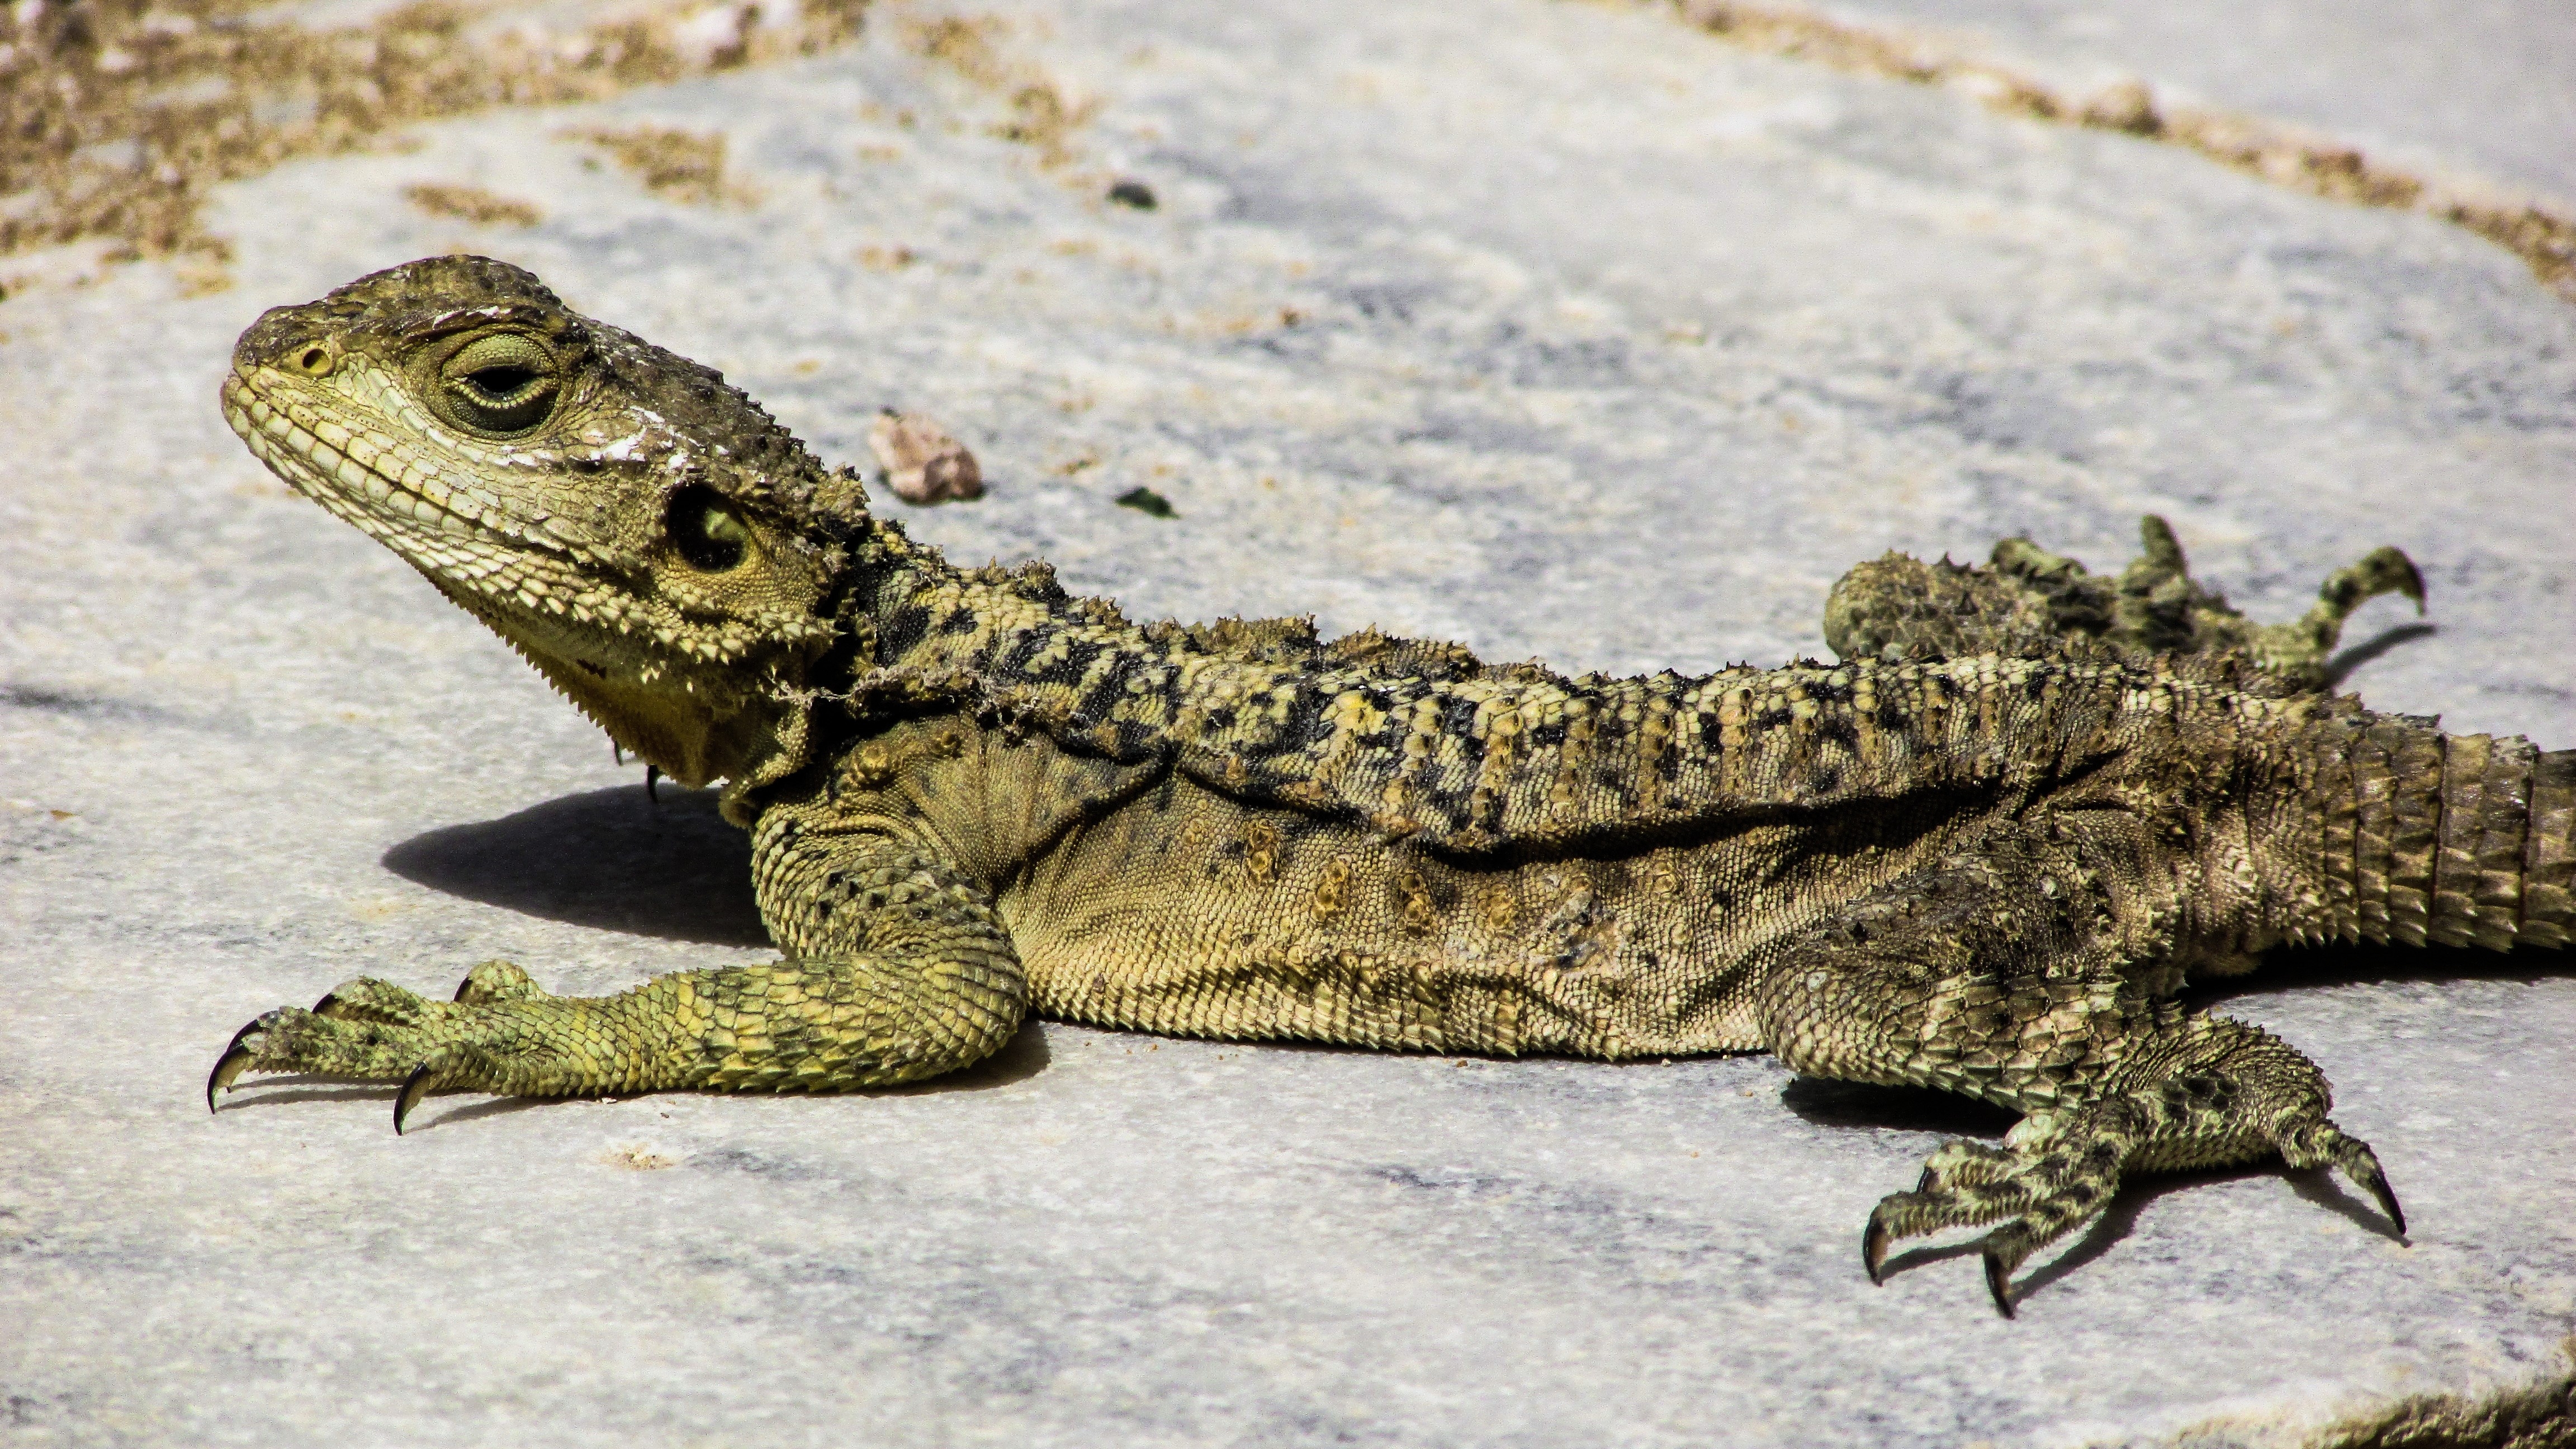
(647, 536)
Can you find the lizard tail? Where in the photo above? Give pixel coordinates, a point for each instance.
(2453, 840)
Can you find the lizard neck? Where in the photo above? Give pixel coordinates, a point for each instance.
(927, 620)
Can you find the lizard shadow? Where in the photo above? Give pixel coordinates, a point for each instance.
(2345, 661)
(1829, 1103)
(612, 859)
(2120, 1219)
(2303, 968)
(300, 1087)
(294, 1087)
(2315, 1185)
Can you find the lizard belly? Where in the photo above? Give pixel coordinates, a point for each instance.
(1187, 911)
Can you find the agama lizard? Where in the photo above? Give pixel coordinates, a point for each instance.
(1983, 853)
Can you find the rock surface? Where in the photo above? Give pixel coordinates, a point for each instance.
(2460, 87)
(1558, 329)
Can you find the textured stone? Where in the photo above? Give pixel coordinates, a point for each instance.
(1556, 329)
(2467, 87)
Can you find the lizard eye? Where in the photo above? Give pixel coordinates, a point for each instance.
(707, 530)
(501, 385)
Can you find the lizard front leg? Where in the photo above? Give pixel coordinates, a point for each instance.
(2016, 971)
(898, 969)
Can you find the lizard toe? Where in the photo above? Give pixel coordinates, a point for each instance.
(496, 981)
(1999, 1270)
(351, 1040)
(426, 1078)
(368, 999)
(466, 1064)
(2051, 1175)
(236, 1059)
(2323, 1144)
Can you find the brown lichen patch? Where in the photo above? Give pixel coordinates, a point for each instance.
(964, 46)
(2537, 1416)
(637, 1157)
(684, 166)
(472, 204)
(1041, 115)
(2282, 155)
(2540, 1415)
(2542, 238)
(117, 116)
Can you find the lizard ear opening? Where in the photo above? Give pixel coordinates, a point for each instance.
(709, 534)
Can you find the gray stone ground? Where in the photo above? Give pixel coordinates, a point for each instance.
(2456, 87)
(1608, 344)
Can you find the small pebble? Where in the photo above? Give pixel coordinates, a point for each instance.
(921, 462)
(1133, 193)
(1146, 500)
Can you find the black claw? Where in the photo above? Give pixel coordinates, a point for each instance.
(617, 751)
(227, 1067)
(652, 778)
(1873, 1248)
(2411, 583)
(414, 1087)
(1999, 1282)
(2377, 1182)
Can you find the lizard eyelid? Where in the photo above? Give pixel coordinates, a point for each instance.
(501, 383)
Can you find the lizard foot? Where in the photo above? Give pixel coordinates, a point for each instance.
(374, 1030)
(2055, 1171)
(2052, 1173)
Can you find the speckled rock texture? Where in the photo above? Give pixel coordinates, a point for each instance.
(1558, 329)
(2459, 87)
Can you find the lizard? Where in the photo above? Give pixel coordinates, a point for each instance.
(1982, 852)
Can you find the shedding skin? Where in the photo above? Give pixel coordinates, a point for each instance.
(1982, 853)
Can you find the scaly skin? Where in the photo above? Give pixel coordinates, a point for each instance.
(1983, 855)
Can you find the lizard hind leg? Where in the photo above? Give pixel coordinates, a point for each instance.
(2161, 607)
(2026, 600)
(2300, 649)
(2000, 973)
